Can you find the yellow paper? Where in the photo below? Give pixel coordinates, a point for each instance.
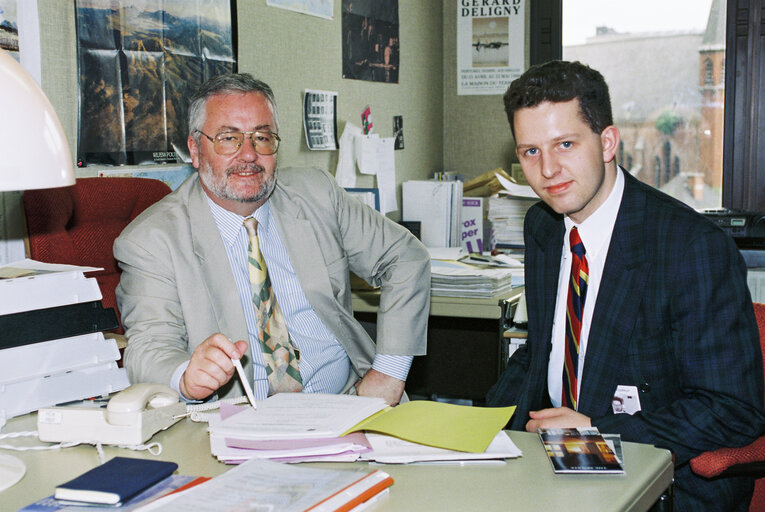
(453, 427)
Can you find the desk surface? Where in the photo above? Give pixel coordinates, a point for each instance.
(367, 301)
(526, 483)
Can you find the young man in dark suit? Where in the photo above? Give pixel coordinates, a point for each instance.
(654, 338)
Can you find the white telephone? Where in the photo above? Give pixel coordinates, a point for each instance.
(131, 417)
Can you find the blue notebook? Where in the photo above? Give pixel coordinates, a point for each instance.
(115, 481)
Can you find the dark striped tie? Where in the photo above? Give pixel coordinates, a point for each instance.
(577, 291)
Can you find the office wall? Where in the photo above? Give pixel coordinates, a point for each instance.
(476, 135)
(293, 52)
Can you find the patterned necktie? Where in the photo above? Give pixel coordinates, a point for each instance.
(279, 355)
(577, 291)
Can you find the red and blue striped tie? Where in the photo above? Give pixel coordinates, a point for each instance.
(577, 291)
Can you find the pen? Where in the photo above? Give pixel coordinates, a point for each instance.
(245, 383)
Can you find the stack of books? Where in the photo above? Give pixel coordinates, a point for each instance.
(308, 427)
(52, 347)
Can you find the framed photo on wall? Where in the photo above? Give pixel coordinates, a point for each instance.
(139, 63)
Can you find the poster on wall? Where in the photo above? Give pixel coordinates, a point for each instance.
(370, 40)
(139, 63)
(490, 42)
(320, 8)
(9, 30)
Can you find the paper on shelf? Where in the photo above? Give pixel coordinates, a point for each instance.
(453, 427)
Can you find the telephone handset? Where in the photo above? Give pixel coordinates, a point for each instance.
(131, 417)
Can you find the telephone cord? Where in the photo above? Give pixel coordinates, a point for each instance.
(154, 448)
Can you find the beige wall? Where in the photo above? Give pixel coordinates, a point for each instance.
(293, 52)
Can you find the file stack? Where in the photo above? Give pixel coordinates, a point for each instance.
(437, 205)
(52, 347)
(506, 214)
(313, 427)
(457, 279)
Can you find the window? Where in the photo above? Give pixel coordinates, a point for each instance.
(709, 76)
(666, 99)
(741, 65)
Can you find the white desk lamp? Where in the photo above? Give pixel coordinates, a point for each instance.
(34, 153)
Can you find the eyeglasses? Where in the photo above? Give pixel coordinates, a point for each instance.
(228, 143)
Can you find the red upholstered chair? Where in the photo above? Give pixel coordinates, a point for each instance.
(77, 225)
(745, 460)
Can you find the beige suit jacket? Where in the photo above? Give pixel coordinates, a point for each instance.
(177, 287)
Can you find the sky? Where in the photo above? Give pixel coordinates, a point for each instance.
(580, 17)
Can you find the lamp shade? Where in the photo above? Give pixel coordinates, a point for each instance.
(34, 152)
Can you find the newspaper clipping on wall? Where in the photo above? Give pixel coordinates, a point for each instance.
(490, 45)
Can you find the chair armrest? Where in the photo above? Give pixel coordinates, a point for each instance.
(748, 459)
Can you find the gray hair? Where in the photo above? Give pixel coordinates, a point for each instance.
(226, 84)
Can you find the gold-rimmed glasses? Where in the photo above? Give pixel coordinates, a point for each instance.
(228, 143)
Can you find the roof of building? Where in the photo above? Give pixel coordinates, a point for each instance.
(637, 95)
(714, 35)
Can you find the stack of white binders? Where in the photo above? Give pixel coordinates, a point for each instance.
(52, 347)
(437, 205)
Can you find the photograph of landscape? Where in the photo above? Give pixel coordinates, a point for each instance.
(139, 63)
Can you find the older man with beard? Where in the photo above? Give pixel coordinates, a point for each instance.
(247, 261)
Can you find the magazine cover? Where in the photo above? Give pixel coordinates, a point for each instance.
(579, 450)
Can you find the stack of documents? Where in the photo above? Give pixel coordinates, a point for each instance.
(506, 214)
(52, 348)
(457, 279)
(264, 485)
(307, 427)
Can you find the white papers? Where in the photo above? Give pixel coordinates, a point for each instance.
(446, 253)
(390, 450)
(515, 189)
(374, 156)
(299, 416)
(345, 173)
(455, 279)
(263, 485)
(386, 174)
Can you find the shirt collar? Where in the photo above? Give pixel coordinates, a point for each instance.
(230, 224)
(596, 229)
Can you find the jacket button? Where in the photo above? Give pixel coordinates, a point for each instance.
(645, 387)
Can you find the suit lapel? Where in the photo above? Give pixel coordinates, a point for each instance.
(300, 240)
(548, 236)
(618, 303)
(209, 250)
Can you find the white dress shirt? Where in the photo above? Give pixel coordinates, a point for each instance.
(595, 233)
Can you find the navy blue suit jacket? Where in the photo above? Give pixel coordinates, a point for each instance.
(673, 318)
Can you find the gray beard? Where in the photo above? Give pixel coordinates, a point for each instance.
(220, 189)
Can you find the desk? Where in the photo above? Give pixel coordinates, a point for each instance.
(526, 483)
(466, 349)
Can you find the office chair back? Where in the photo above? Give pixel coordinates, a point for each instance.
(748, 459)
(77, 225)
